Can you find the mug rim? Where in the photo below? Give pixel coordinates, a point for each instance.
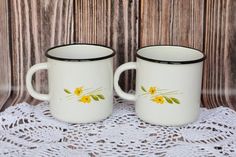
(79, 59)
(169, 61)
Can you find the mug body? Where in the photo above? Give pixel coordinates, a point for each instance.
(168, 85)
(80, 82)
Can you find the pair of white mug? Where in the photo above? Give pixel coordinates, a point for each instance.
(168, 83)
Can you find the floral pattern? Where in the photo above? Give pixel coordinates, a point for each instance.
(85, 96)
(160, 96)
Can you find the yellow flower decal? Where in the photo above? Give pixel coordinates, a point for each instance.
(152, 90)
(158, 99)
(160, 96)
(85, 99)
(78, 91)
(85, 96)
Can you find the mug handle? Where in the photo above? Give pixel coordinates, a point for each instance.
(119, 70)
(29, 85)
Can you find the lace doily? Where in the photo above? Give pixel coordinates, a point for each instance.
(31, 131)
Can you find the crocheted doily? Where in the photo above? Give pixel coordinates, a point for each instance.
(28, 130)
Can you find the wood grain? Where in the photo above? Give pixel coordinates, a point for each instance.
(112, 23)
(5, 70)
(172, 22)
(220, 67)
(36, 26)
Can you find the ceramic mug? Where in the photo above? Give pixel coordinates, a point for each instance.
(80, 79)
(168, 84)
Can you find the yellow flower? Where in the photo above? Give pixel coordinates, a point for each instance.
(152, 90)
(158, 99)
(78, 91)
(85, 99)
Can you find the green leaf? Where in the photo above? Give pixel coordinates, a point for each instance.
(143, 89)
(67, 91)
(168, 100)
(101, 96)
(95, 97)
(175, 100)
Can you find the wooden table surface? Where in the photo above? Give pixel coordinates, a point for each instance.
(29, 27)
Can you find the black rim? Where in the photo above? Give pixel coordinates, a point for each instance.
(171, 62)
(80, 60)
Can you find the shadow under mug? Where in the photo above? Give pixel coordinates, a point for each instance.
(168, 84)
(80, 79)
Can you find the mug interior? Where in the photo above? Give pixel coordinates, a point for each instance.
(80, 52)
(170, 54)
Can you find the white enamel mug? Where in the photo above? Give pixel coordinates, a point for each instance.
(80, 79)
(168, 84)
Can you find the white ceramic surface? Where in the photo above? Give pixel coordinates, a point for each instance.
(168, 84)
(80, 82)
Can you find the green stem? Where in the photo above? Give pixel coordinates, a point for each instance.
(87, 89)
(170, 92)
(71, 95)
(88, 93)
(94, 91)
(158, 89)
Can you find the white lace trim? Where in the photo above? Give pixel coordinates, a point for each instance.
(28, 130)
